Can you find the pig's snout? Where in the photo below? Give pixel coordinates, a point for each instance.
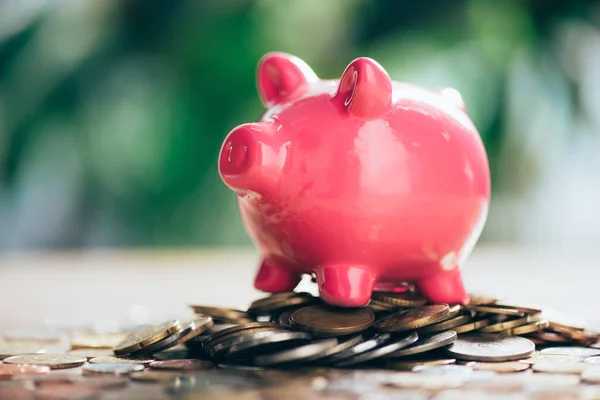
(236, 154)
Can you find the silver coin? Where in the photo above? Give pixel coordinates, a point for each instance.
(490, 347)
(275, 342)
(560, 368)
(338, 348)
(295, 354)
(219, 350)
(378, 352)
(574, 351)
(426, 344)
(369, 343)
(592, 360)
(111, 369)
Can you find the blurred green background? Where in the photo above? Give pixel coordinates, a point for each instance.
(112, 113)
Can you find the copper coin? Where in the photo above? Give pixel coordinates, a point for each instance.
(146, 336)
(98, 382)
(111, 369)
(17, 390)
(404, 299)
(284, 319)
(426, 344)
(121, 360)
(182, 365)
(550, 337)
(325, 319)
(10, 370)
(67, 393)
(54, 361)
(412, 318)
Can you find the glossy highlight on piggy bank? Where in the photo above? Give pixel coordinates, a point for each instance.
(365, 182)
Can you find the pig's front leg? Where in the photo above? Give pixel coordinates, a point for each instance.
(446, 286)
(273, 277)
(345, 285)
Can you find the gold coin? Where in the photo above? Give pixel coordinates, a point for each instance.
(501, 326)
(14, 349)
(275, 297)
(54, 361)
(499, 367)
(146, 336)
(531, 310)
(121, 360)
(403, 299)
(413, 318)
(279, 301)
(525, 329)
(325, 319)
(378, 306)
(446, 324)
(496, 310)
(405, 364)
(219, 312)
(478, 299)
(473, 325)
(95, 340)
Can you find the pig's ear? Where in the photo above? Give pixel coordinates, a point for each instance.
(281, 76)
(365, 89)
(453, 96)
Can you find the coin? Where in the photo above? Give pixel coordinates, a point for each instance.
(218, 344)
(426, 344)
(369, 343)
(10, 370)
(525, 329)
(284, 319)
(573, 351)
(379, 306)
(490, 347)
(236, 328)
(92, 353)
(412, 318)
(274, 303)
(496, 310)
(591, 375)
(559, 367)
(146, 336)
(500, 367)
(236, 340)
(170, 341)
(403, 299)
(54, 361)
(277, 341)
(155, 377)
(549, 337)
(539, 357)
(344, 344)
(95, 340)
(111, 369)
(592, 360)
(529, 309)
(12, 349)
(473, 325)
(501, 326)
(219, 312)
(395, 345)
(182, 365)
(479, 299)
(581, 337)
(121, 360)
(295, 354)
(446, 324)
(275, 297)
(325, 319)
(407, 364)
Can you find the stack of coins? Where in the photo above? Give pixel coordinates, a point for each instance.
(395, 330)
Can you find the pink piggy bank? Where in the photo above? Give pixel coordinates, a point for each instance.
(363, 181)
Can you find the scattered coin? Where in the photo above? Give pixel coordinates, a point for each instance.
(539, 357)
(446, 324)
(12, 349)
(451, 369)
(182, 365)
(592, 360)
(95, 340)
(188, 331)
(8, 371)
(325, 319)
(295, 354)
(500, 367)
(155, 377)
(92, 353)
(407, 364)
(379, 352)
(219, 312)
(413, 318)
(146, 336)
(121, 360)
(490, 347)
(501, 326)
(559, 367)
(403, 299)
(54, 361)
(111, 369)
(426, 344)
(572, 351)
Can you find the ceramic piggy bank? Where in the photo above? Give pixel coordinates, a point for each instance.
(363, 181)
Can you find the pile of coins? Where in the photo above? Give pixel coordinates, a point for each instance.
(292, 345)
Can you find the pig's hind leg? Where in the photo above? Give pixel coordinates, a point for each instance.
(345, 285)
(446, 286)
(273, 277)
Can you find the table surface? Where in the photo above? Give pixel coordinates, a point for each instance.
(64, 289)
